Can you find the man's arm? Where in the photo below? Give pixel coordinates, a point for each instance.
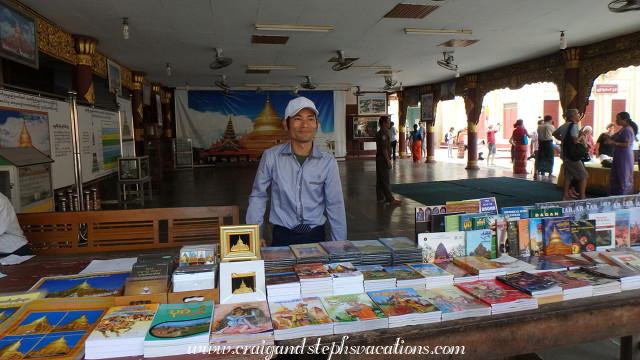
(259, 196)
(334, 203)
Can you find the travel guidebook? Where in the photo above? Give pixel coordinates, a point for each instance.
(524, 238)
(605, 229)
(513, 238)
(557, 236)
(89, 285)
(622, 228)
(535, 237)
(583, 235)
(437, 247)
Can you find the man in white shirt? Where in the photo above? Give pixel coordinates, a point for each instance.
(12, 241)
(393, 137)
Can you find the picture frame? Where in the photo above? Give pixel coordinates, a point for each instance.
(239, 242)
(242, 282)
(19, 46)
(115, 83)
(426, 107)
(372, 104)
(365, 127)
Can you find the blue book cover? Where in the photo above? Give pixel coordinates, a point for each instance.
(535, 234)
(466, 221)
(622, 228)
(478, 242)
(542, 264)
(579, 210)
(605, 205)
(592, 205)
(616, 203)
(517, 212)
(557, 235)
(629, 201)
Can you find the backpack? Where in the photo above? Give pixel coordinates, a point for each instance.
(573, 151)
(446, 137)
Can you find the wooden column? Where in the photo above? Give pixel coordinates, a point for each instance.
(402, 125)
(167, 122)
(473, 107)
(571, 94)
(431, 137)
(85, 47)
(136, 105)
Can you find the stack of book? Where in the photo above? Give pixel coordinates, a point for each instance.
(629, 279)
(543, 289)
(455, 303)
(120, 332)
(571, 288)
(600, 285)
(149, 275)
(194, 277)
(299, 318)
(201, 254)
(570, 263)
(282, 287)
(623, 259)
(541, 264)
(406, 277)
(277, 257)
(484, 268)
(404, 251)
(346, 278)
(513, 265)
(342, 251)
(405, 307)
(242, 325)
(309, 253)
(500, 297)
(460, 274)
(355, 312)
(315, 280)
(373, 252)
(434, 276)
(178, 327)
(376, 278)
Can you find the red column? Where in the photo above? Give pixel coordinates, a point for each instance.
(167, 121)
(136, 105)
(431, 143)
(402, 125)
(473, 115)
(85, 47)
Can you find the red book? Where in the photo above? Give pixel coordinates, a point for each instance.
(502, 298)
(567, 261)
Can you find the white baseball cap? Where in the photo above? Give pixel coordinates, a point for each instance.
(298, 104)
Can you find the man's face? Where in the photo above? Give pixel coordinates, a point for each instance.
(386, 125)
(302, 126)
(574, 117)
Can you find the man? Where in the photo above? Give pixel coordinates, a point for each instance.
(533, 149)
(450, 139)
(423, 132)
(573, 170)
(491, 143)
(383, 164)
(393, 137)
(304, 184)
(12, 240)
(546, 151)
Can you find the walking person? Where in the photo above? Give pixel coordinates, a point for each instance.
(520, 139)
(533, 152)
(621, 179)
(383, 163)
(546, 150)
(450, 139)
(491, 143)
(393, 137)
(573, 169)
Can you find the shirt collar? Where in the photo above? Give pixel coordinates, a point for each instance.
(315, 152)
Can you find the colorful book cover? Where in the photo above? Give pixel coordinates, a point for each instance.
(454, 269)
(442, 246)
(338, 247)
(593, 280)
(524, 239)
(452, 222)
(583, 235)
(580, 210)
(513, 238)
(295, 313)
(616, 203)
(464, 206)
(492, 292)
(557, 235)
(124, 322)
(466, 221)
(535, 236)
(545, 212)
(593, 206)
(349, 308)
(605, 229)
(394, 302)
(476, 264)
(605, 205)
(429, 270)
(424, 213)
(342, 270)
(277, 253)
(541, 264)
(239, 319)
(92, 285)
(146, 285)
(374, 272)
(567, 208)
(10, 303)
(516, 212)
(403, 272)
(179, 321)
(492, 221)
(313, 250)
(563, 281)
(637, 204)
(622, 228)
(610, 271)
(479, 222)
(488, 206)
(311, 271)
(451, 299)
(567, 261)
(634, 226)
(283, 278)
(502, 235)
(478, 242)
(527, 283)
(629, 260)
(628, 201)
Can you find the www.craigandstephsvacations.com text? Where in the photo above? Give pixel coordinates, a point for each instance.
(317, 348)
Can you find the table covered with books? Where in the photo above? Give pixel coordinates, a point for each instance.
(599, 177)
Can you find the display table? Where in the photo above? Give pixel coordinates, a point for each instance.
(132, 191)
(598, 180)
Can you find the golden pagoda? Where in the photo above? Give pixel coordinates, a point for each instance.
(3, 316)
(240, 246)
(56, 347)
(11, 351)
(37, 326)
(267, 132)
(243, 289)
(556, 246)
(25, 137)
(80, 323)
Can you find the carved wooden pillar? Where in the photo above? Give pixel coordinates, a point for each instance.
(85, 47)
(431, 146)
(474, 107)
(402, 125)
(571, 94)
(136, 105)
(166, 115)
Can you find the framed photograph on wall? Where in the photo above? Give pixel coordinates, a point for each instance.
(242, 282)
(365, 127)
(113, 70)
(426, 107)
(372, 104)
(18, 35)
(239, 242)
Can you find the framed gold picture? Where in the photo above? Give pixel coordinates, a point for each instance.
(239, 242)
(242, 282)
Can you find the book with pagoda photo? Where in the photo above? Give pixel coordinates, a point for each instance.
(88, 285)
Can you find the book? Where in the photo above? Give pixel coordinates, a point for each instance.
(354, 312)
(88, 285)
(277, 256)
(434, 276)
(517, 212)
(579, 210)
(442, 246)
(630, 261)
(535, 235)
(545, 212)
(593, 206)
(151, 269)
(513, 265)
(479, 265)
(466, 221)
(536, 286)
(455, 303)
(459, 273)
(309, 253)
(479, 222)
(622, 228)
(513, 238)
(146, 285)
(502, 298)
(541, 264)
(634, 226)
(605, 228)
(243, 324)
(600, 285)
(557, 236)
(502, 235)
(341, 251)
(571, 288)
(492, 224)
(194, 277)
(299, 317)
(567, 261)
(478, 242)
(437, 222)
(311, 271)
(199, 254)
(524, 246)
(452, 221)
(405, 307)
(583, 235)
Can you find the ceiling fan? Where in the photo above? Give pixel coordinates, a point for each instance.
(308, 84)
(226, 93)
(358, 92)
(447, 61)
(222, 84)
(220, 61)
(342, 62)
(294, 92)
(624, 5)
(389, 83)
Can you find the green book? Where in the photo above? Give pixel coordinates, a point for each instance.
(452, 223)
(178, 321)
(541, 213)
(479, 222)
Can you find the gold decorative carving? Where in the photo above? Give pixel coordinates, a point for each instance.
(84, 60)
(139, 110)
(90, 94)
(430, 127)
(99, 66)
(138, 134)
(426, 89)
(54, 42)
(472, 80)
(126, 77)
(85, 45)
(572, 56)
(167, 97)
(138, 77)
(472, 164)
(472, 127)
(570, 93)
(155, 88)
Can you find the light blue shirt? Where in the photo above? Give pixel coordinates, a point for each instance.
(299, 193)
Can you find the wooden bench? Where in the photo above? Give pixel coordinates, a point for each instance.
(118, 230)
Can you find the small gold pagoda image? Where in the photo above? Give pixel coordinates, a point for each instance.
(243, 283)
(25, 137)
(239, 245)
(243, 289)
(82, 289)
(78, 324)
(38, 326)
(267, 132)
(54, 348)
(556, 246)
(11, 351)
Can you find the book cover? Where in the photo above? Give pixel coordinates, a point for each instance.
(403, 272)
(610, 271)
(593, 206)
(400, 243)
(338, 247)
(476, 264)
(545, 212)
(146, 285)
(466, 221)
(342, 270)
(201, 254)
(513, 238)
(567, 208)
(349, 308)
(277, 279)
(630, 261)
(394, 302)
(567, 261)
(438, 222)
(592, 279)
(451, 299)
(492, 292)
(535, 236)
(311, 271)
(580, 210)
(370, 247)
(464, 206)
(295, 313)
(124, 322)
(616, 203)
(583, 235)
(478, 242)
(455, 270)
(605, 205)
(277, 253)
(492, 221)
(374, 272)
(605, 229)
(240, 319)
(102, 284)
(150, 269)
(442, 246)
(634, 226)
(429, 270)
(541, 264)
(628, 201)
(502, 235)
(563, 281)
(452, 222)
(557, 235)
(303, 251)
(179, 321)
(424, 213)
(524, 239)
(622, 228)
(527, 283)
(479, 222)
(10, 303)
(517, 212)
